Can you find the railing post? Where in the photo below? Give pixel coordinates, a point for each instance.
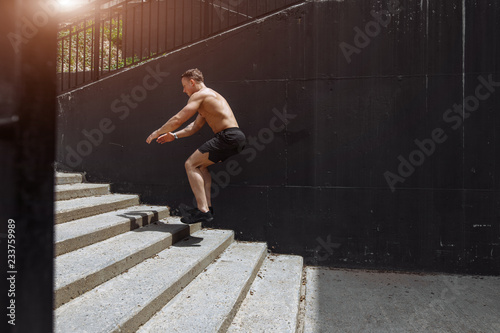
(206, 18)
(97, 41)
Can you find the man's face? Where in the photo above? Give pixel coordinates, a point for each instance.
(188, 85)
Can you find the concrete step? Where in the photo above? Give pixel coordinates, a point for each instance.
(272, 303)
(125, 302)
(82, 190)
(209, 303)
(130, 299)
(69, 210)
(81, 270)
(71, 236)
(67, 178)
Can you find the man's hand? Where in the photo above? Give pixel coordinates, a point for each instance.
(168, 137)
(152, 136)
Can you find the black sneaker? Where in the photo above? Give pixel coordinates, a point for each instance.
(197, 216)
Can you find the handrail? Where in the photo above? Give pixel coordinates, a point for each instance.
(108, 35)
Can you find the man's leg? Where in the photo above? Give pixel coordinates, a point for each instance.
(207, 179)
(194, 165)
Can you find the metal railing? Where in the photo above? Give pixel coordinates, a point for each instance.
(109, 35)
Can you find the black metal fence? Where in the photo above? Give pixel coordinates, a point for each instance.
(108, 35)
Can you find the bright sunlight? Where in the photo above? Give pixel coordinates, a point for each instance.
(67, 5)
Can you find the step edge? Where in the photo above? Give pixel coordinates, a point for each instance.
(111, 196)
(246, 288)
(61, 178)
(301, 314)
(68, 194)
(87, 211)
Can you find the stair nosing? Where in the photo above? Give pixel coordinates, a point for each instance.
(63, 214)
(61, 178)
(80, 190)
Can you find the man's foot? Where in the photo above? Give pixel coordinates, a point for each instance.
(197, 216)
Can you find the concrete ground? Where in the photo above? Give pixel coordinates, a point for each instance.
(340, 300)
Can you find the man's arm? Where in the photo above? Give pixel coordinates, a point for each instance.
(189, 130)
(180, 118)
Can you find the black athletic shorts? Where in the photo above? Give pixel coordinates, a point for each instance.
(225, 144)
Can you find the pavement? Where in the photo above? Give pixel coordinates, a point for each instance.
(340, 300)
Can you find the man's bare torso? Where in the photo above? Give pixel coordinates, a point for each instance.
(215, 109)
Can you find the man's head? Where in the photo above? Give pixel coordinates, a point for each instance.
(191, 81)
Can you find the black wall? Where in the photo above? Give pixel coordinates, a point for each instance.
(27, 150)
(326, 174)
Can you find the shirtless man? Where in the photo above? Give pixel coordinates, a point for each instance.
(213, 109)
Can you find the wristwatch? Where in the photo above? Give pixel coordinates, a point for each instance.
(175, 136)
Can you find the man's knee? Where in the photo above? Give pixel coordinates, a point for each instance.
(195, 162)
(191, 164)
(188, 164)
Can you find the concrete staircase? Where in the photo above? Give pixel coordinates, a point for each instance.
(122, 266)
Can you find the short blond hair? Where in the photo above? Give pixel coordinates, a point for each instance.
(194, 74)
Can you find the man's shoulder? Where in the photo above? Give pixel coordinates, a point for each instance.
(206, 92)
(200, 94)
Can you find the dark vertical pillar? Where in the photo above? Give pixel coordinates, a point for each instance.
(27, 145)
(206, 19)
(97, 43)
